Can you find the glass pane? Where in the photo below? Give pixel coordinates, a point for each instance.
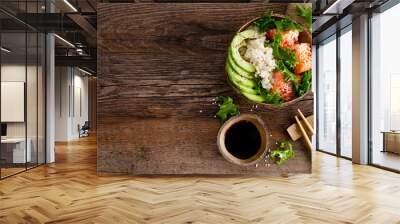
(31, 98)
(385, 84)
(346, 93)
(13, 89)
(327, 96)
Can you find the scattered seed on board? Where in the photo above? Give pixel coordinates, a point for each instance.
(256, 165)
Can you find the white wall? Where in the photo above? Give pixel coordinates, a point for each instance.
(71, 103)
(33, 127)
(62, 82)
(16, 73)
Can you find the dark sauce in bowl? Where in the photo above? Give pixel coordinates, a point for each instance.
(243, 140)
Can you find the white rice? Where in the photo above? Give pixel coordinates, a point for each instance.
(262, 59)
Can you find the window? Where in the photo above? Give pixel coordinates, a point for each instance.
(327, 96)
(346, 92)
(385, 89)
(22, 77)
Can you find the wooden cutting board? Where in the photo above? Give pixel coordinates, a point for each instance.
(160, 67)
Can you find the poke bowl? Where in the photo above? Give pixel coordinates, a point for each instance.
(269, 61)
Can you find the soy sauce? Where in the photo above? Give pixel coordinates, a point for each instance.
(243, 140)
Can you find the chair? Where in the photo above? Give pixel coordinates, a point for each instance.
(84, 130)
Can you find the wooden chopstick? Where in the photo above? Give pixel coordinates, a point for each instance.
(304, 133)
(308, 125)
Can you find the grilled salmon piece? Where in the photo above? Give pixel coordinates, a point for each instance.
(283, 87)
(304, 57)
(289, 37)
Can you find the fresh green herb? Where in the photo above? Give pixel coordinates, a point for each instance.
(287, 24)
(227, 108)
(305, 84)
(289, 75)
(286, 55)
(269, 96)
(285, 58)
(267, 22)
(283, 153)
(273, 97)
(306, 13)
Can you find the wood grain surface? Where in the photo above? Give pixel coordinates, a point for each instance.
(160, 68)
(70, 191)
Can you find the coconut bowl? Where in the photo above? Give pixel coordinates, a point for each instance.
(304, 37)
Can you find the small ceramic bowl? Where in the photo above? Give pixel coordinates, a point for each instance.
(260, 153)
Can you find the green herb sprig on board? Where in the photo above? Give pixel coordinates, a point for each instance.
(227, 108)
(282, 153)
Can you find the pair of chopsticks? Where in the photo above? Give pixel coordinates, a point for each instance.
(303, 131)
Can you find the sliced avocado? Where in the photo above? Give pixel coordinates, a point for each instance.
(237, 68)
(235, 45)
(254, 98)
(241, 88)
(247, 91)
(242, 80)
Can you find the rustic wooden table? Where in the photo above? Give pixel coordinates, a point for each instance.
(160, 67)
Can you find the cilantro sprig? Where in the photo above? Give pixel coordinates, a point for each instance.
(227, 108)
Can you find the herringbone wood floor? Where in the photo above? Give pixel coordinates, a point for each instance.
(70, 191)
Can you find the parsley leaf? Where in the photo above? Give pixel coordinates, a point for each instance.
(267, 22)
(269, 96)
(227, 108)
(289, 75)
(306, 13)
(287, 24)
(285, 58)
(283, 153)
(286, 55)
(305, 84)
